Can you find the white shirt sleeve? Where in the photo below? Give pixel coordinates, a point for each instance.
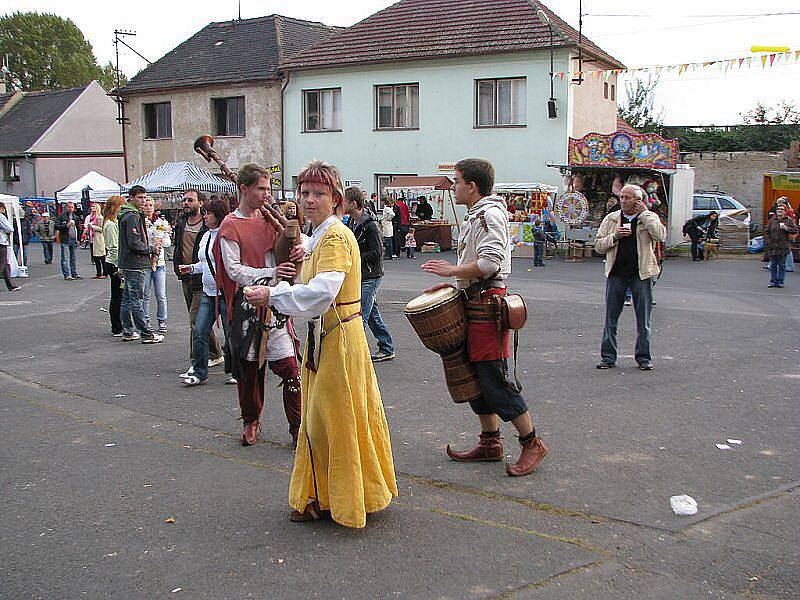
(241, 274)
(310, 300)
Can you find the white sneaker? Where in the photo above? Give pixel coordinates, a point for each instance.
(188, 373)
(156, 339)
(132, 337)
(231, 381)
(216, 361)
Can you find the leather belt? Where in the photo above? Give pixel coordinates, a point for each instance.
(325, 332)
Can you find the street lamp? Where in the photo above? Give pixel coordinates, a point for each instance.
(552, 113)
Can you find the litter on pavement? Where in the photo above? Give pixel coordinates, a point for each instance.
(683, 505)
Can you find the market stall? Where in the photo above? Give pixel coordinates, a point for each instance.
(599, 165)
(527, 203)
(92, 187)
(168, 182)
(14, 216)
(438, 191)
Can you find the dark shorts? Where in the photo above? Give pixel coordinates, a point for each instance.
(499, 396)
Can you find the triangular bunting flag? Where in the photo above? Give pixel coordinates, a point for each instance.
(682, 68)
(771, 59)
(796, 55)
(764, 58)
(741, 62)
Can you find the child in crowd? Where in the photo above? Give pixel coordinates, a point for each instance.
(538, 244)
(411, 243)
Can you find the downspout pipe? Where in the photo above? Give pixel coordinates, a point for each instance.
(283, 139)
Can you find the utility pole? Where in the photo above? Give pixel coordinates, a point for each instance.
(121, 118)
(579, 79)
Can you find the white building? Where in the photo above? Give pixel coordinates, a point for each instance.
(424, 83)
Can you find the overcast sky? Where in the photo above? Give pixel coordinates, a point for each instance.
(672, 32)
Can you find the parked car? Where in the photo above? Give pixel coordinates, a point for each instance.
(724, 204)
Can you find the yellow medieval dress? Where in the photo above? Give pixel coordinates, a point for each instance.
(344, 455)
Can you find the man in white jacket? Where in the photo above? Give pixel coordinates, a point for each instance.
(628, 238)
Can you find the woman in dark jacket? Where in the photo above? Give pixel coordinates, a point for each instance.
(777, 246)
(700, 229)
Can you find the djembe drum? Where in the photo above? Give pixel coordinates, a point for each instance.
(438, 318)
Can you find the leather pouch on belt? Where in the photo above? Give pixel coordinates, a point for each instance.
(512, 311)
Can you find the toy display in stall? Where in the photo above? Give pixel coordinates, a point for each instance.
(622, 148)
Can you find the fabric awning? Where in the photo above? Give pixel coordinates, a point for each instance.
(181, 176)
(98, 186)
(420, 183)
(524, 187)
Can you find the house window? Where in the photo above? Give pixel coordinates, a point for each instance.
(228, 116)
(605, 90)
(157, 121)
(322, 110)
(501, 102)
(10, 170)
(382, 181)
(613, 92)
(397, 106)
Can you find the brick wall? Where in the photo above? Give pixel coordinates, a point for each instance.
(740, 174)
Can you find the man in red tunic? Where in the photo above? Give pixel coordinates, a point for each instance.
(244, 256)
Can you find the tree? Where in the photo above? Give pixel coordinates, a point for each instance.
(784, 113)
(639, 109)
(47, 52)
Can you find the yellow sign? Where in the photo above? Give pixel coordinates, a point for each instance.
(446, 168)
(785, 181)
(769, 48)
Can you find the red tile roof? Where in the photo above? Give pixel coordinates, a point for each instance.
(623, 125)
(428, 29)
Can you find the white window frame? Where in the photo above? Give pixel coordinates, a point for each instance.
(395, 90)
(160, 135)
(334, 98)
(481, 122)
(216, 103)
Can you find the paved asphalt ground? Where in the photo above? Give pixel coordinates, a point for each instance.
(101, 445)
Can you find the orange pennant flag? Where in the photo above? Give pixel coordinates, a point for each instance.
(764, 58)
(682, 68)
(796, 55)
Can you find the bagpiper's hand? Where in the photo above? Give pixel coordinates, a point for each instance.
(184, 269)
(439, 267)
(257, 295)
(438, 286)
(297, 253)
(286, 270)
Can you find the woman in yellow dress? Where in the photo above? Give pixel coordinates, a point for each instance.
(344, 459)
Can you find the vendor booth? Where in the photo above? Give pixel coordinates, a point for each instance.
(438, 191)
(600, 165)
(14, 216)
(168, 182)
(92, 187)
(526, 203)
(779, 184)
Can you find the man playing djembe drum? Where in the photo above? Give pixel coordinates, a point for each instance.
(484, 264)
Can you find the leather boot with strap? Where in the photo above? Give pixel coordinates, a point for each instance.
(533, 451)
(489, 449)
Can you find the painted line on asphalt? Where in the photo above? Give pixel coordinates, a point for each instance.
(56, 311)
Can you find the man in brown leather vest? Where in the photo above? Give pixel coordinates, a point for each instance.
(484, 264)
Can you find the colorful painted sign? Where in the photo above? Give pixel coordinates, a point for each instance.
(785, 181)
(623, 149)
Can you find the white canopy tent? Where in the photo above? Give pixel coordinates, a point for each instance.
(524, 187)
(14, 215)
(182, 176)
(98, 186)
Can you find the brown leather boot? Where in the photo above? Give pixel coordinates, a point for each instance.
(250, 433)
(533, 451)
(489, 449)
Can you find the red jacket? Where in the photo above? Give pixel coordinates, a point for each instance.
(405, 215)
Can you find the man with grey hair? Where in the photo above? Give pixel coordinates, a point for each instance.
(628, 238)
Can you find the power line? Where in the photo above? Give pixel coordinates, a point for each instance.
(706, 24)
(718, 15)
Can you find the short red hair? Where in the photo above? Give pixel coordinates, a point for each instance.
(318, 171)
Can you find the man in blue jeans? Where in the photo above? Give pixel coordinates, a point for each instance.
(134, 262)
(368, 235)
(628, 238)
(67, 227)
